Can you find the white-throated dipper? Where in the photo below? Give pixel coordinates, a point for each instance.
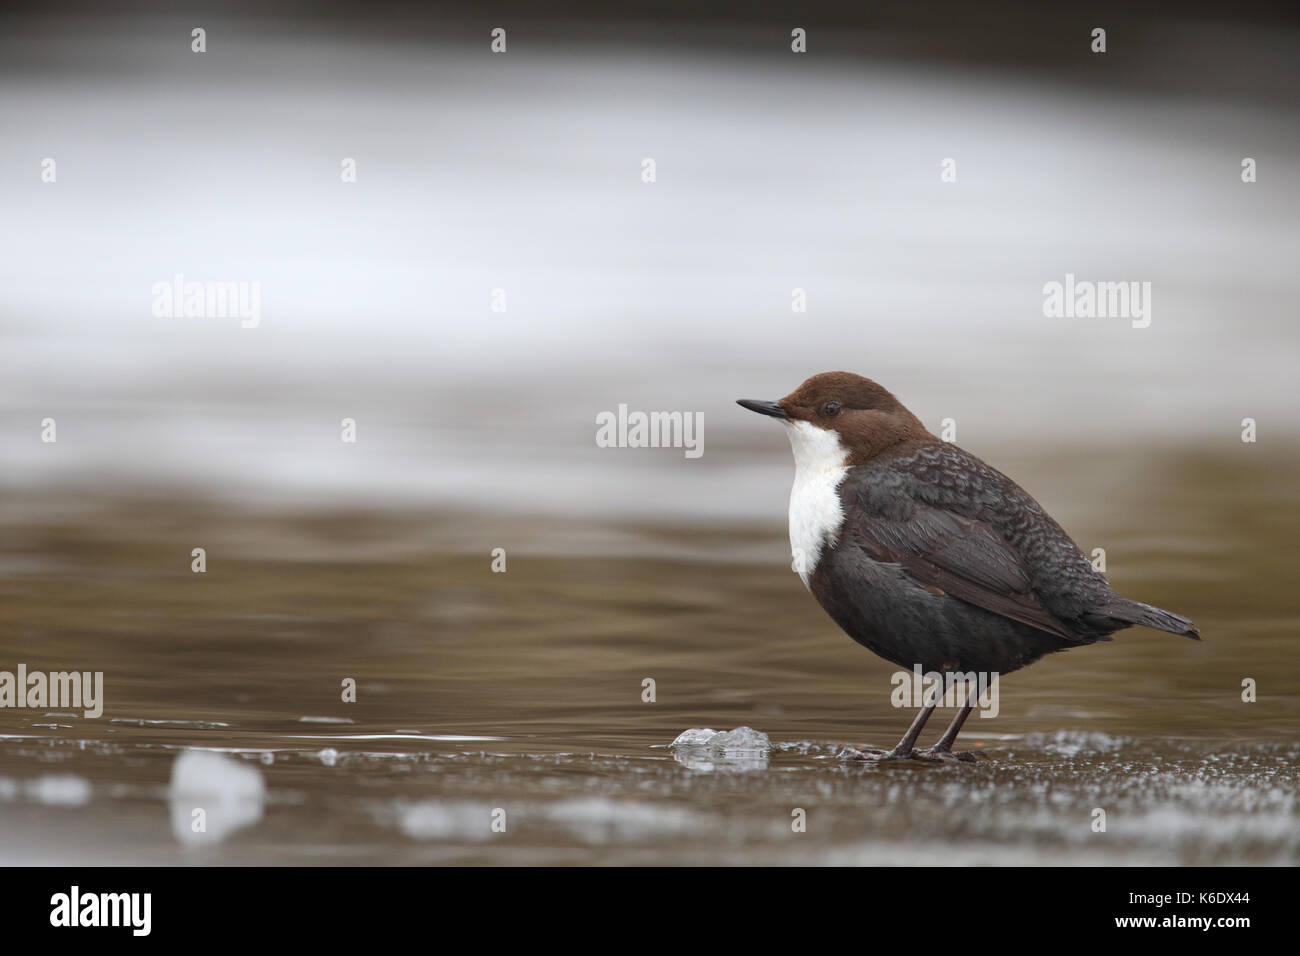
(927, 556)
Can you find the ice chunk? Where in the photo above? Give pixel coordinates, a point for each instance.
(213, 795)
(740, 740)
(702, 748)
(695, 737)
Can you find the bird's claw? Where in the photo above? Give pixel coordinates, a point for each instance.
(933, 755)
(877, 756)
(953, 756)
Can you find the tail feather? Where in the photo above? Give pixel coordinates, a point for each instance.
(1135, 612)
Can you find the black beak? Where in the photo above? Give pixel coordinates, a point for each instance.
(763, 408)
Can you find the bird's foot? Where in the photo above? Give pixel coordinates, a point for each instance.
(878, 756)
(933, 755)
(947, 755)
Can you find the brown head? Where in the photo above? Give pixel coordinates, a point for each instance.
(866, 416)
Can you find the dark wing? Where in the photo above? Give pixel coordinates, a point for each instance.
(959, 556)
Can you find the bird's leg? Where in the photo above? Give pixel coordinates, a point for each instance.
(905, 747)
(949, 737)
(943, 749)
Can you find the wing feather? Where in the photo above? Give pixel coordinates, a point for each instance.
(961, 557)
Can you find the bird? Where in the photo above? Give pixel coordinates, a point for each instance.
(929, 557)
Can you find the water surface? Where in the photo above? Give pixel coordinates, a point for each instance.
(482, 692)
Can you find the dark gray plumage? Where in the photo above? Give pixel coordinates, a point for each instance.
(947, 563)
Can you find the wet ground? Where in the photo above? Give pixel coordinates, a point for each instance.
(499, 717)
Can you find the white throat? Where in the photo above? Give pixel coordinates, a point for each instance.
(815, 510)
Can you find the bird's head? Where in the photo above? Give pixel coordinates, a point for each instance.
(865, 417)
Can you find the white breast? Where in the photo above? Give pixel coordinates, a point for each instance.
(815, 510)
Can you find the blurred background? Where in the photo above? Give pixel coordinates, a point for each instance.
(475, 428)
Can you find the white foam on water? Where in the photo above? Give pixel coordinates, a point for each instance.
(58, 790)
(602, 820)
(443, 820)
(1071, 743)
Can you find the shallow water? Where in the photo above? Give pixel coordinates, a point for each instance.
(520, 694)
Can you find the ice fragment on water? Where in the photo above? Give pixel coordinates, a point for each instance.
(211, 796)
(740, 740)
(695, 737)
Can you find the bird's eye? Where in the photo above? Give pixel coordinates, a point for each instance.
(830, 408)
